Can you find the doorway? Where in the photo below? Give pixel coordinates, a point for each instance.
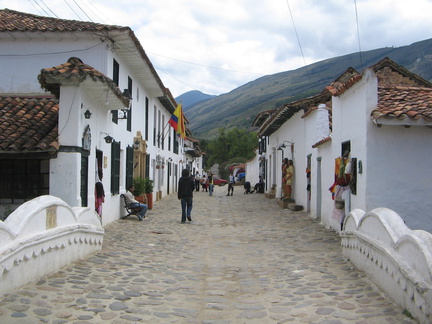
(319, 189)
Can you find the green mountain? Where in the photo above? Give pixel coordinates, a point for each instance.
(239, 107)
(192, 98)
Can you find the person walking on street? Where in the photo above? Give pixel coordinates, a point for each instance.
(135, 203)
(197, 181)
(186, 186)
(204, 183)
(210, 183)
(231, 181)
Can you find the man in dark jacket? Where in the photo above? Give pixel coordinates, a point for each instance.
(186, 186)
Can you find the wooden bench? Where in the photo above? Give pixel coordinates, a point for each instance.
(130, 210)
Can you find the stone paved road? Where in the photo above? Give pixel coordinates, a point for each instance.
(242, 259)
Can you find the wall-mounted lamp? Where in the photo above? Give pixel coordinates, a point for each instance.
(117, 117)
(282, 146)
(127, 94)
(136, 145)
(87, 114)
(170, 159)
(108, 139)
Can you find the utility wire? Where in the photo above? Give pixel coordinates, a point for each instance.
(42, 8)
(298, 39)
(34, 6)
(50, 53)
(91, 11)
(83, 11)
(98, 10)
(49, 8)
(72, 10)
(175, 78)
(358, 34)
(207, 66)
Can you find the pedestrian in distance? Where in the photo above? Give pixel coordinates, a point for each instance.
(197, 181)
(210, 184)
(204, 183)
(231, 181)
(186, 186)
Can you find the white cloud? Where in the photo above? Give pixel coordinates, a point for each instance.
(216, 46)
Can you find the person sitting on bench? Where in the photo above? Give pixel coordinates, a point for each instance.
(259, 186)
(134, 203)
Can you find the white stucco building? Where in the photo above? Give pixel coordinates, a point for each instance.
(381, 117)
(112, 111)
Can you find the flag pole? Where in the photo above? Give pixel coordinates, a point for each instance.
(163, 131)
(163, 137)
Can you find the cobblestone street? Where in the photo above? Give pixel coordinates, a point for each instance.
(242, 259)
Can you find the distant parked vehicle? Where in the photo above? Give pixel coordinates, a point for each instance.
(219, 182)
(241, 177)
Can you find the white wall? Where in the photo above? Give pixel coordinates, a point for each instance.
(44, 235)
(395, 159)
(292, 131)
(252, 170)
(398, 173)
(19, 72)
(394, 257)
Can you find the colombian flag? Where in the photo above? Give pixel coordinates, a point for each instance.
(177, 121)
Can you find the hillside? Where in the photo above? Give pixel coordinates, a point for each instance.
(240, 106)
(192, 98)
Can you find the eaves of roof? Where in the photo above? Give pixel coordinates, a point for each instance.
(286, 111)
(262, 116)
(193, 152)
(76, 72)
(403, 106)
(168, 101)
(321, 142)
(121, 39)
(338, 88)
(387, 62)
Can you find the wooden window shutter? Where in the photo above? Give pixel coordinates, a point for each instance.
(115, 167)
(129, 165)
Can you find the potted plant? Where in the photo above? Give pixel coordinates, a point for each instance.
(148, 190)
(139, 189)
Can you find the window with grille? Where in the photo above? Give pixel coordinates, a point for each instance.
(22, 180)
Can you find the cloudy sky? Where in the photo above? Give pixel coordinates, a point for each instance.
(217, 46)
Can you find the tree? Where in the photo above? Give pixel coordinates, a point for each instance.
(233, 144)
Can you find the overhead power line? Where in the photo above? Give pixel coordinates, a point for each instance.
(37, 3)
(206, 66)
(358, 34)
(72, 9)
(298, 39)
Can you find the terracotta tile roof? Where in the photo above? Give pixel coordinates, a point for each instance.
(11, 21)
(75, 70)
(122, 37)
(262, 116)
(324, 140)
(404, 102)
(285, 112)
(338, 88)
(391, 74)
(28, 124)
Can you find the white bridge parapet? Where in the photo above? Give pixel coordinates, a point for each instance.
(396, 258)
(42, 236)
